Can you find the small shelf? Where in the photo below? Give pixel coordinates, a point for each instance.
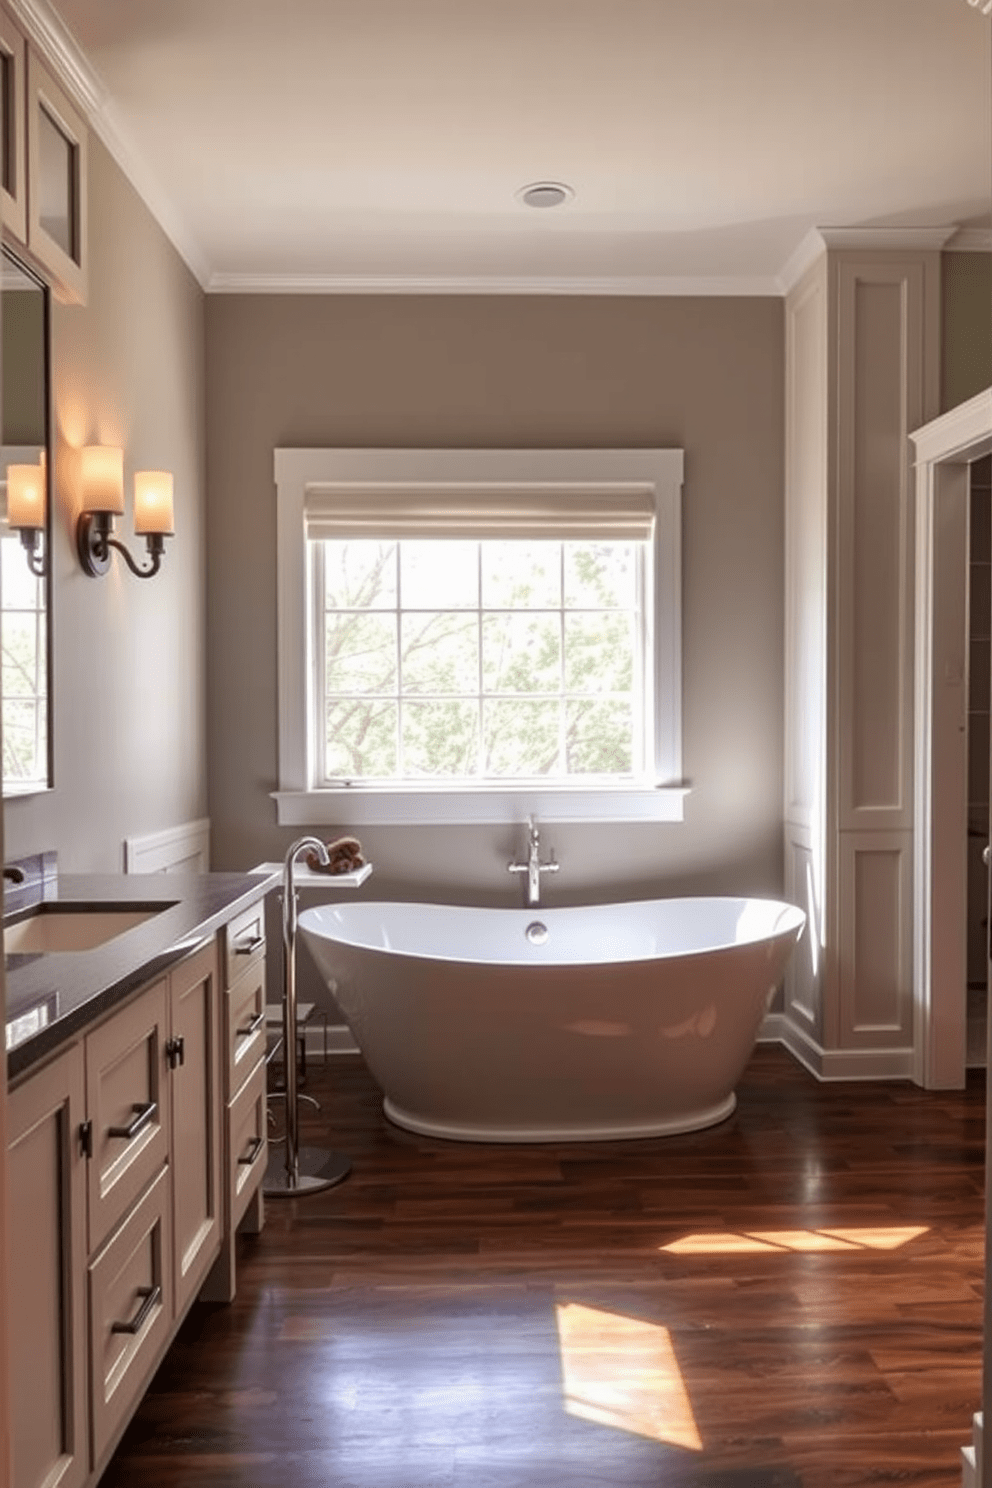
(306, 878)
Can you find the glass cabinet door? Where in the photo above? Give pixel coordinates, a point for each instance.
(56, 184)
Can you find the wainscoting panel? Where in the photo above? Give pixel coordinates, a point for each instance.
(876, 947)
(804, 978)
(183, 849)
(806, 548)
(880, 309)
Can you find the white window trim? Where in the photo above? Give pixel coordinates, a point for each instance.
(299, 804)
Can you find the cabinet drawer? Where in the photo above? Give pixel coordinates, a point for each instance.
(247, 1143)
(127, 1091)
(244, 942)
(130, 1291)
(245, 1026)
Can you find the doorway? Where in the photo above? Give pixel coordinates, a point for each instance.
(947, 452)
(979, 662)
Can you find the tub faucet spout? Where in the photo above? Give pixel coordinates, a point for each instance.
(533, 866)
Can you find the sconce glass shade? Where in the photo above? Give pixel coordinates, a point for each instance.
(153, 503)
(102, 478)
(25, 497)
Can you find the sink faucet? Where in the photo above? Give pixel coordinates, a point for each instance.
(533, 866)
(14, 875)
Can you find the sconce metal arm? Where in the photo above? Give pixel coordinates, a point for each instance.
(94, 540)
(156, 548)
(37, 561)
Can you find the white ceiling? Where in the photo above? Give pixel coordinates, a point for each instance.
(357, 144)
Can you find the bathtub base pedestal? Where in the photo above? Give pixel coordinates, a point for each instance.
(317, 1169)
(613, 1131)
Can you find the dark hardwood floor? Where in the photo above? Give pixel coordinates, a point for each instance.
(461, 1316)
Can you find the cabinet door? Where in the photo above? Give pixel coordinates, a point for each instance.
(47, 1208)
(127, 1097)
(196, 1132)
(57, 171)
(13, 160)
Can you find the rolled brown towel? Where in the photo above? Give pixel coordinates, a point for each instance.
(344, 856)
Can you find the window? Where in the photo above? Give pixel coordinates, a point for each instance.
(479, 661)
(471, 635)
(23, 670)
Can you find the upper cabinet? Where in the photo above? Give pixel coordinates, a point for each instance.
(13, 114)
(42, 166)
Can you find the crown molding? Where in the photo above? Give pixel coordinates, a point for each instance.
(970, 240)
(485, 284)
(56, 44)
(889, 239)
(802, 258)
(62, 53)
(871, 239)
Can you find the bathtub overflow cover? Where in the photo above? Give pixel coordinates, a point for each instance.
(536, 933)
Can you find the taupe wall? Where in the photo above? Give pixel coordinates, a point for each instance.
(703, 374)
(129, 655)
(966, 313)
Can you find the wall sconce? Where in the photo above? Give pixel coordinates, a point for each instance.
(26, 511)
(102, 482)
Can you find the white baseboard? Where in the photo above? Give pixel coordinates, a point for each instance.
(772, 1030)
(340, 1040)
(972, 1472)
(844, 1064)
(825, 1064)
(183, 849)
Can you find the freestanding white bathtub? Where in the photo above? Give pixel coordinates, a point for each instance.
(550, 1025)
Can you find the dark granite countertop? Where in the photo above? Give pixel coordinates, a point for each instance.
(51, 998)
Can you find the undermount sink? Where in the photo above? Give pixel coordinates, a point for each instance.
(73, 927)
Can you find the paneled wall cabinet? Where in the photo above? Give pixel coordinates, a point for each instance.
(43, 166)
(862, 372)
(133, 1154)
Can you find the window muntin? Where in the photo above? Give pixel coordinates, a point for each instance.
(490, 662)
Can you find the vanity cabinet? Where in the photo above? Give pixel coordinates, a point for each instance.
(245, 1112)
(116, 1200)
(43, 167)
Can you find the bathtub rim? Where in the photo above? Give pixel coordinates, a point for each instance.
(791, 922)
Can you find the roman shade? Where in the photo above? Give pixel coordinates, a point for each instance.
(622, 511)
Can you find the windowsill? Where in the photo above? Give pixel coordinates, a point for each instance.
(414, 806)
(21, 790)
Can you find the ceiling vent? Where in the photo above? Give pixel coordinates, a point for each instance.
(549, 193)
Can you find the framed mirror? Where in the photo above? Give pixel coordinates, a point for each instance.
(25, 566)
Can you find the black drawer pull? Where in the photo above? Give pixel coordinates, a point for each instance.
(152, 1297)
(143, 1113)
(250, 946)
(254, 1148)
(253, 1026)
(175, 1051)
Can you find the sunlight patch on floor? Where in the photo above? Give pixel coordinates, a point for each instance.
(622, 1372)
(751, 1241)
